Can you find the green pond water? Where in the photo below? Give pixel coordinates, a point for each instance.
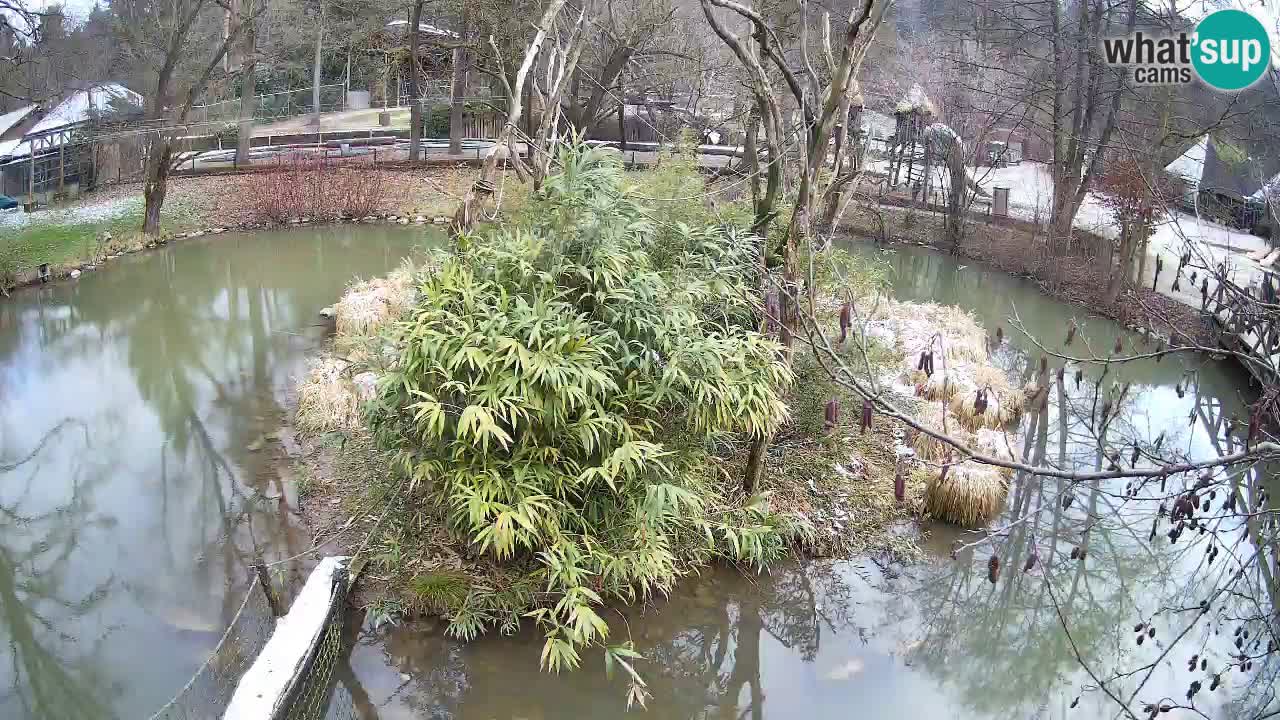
(137, 405)
(139, 475)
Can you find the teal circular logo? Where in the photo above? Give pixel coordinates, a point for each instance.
(1232, 50)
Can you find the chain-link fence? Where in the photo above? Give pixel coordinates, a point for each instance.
(311, 695)
(206, 695)
(273, 106)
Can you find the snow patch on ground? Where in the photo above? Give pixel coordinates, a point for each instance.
(86, 214)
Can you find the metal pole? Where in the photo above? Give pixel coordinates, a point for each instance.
(31, 178)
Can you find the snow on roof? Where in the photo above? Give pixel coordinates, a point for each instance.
(10, 119)
(1190, 164)
(71, 111)
(76, 108)
(7, 147)
(424, 27)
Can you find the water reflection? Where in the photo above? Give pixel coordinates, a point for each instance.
(828, 640)
(127, 532)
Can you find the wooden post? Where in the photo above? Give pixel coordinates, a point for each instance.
(62, 167)
(264, 579)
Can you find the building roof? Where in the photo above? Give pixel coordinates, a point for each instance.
(10, 119)
(74, 109)
(1241, 172)
(423, 27)
(78, 106)
(1190, 164)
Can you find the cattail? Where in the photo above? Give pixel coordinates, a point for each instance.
(1176, 278)
(1079, 377)
(1119, 348)
(1066, 501)
(1204, 290)
(1178, 389)
(900, 483)
(845, 322)
(1133, 458)
(993, 569)
(1033, 557)
(1061, 373)
(832, 414)
(999, 334)
(928, 369)
(1071, 331)
(866, 415)
(1044, 364)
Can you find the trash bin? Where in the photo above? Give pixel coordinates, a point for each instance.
(1000, 202)
(384, 119)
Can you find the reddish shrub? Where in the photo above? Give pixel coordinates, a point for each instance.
(1135, 195)
(303, 186)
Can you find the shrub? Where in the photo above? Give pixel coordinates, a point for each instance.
(558, 394)
(302, 186)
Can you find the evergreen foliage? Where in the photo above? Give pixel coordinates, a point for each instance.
(559, 389)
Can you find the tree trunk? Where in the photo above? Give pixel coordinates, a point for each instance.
(755, 465)
(956, 195)
(159, 157)
(248, 90)
(465, 216)
(457, 92)
(315, 73)
(1120, 270)
(415, 92)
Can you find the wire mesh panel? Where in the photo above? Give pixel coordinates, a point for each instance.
(206, 695)
(311, 694)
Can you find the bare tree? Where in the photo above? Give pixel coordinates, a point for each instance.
(163, 39)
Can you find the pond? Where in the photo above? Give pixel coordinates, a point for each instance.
(873, 639)
(139, 407)
(137, 468)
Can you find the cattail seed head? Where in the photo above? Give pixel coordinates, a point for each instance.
(993, 569)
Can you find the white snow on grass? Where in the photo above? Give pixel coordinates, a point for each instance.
(87, 214)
